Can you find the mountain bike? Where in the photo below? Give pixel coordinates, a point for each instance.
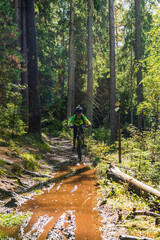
(79, 139)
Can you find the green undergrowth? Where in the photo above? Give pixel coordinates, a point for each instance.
(66, 133)
(13, 219)
(140, 159)
(28, 148)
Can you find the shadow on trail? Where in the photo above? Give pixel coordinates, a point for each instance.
(58, 179)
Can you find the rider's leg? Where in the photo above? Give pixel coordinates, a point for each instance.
(74, 142)
(82, 130)
(74, 138)
(84, 145)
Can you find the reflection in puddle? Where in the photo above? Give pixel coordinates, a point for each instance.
(72, 198)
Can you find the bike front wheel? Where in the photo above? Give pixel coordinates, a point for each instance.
(79, 149)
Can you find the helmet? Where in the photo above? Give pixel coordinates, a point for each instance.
(78, 109)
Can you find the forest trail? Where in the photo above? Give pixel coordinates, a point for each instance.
(67, 207)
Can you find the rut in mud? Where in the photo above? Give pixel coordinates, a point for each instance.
(67, 207)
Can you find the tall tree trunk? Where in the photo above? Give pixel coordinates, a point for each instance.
(33, 88)
(90, 65)
(17, 19)
(113, 114)
(24, 74)
(138, 55)
(131, 85)
(70, 98)
(131, 70)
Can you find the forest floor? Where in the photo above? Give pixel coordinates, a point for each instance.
(15, 189)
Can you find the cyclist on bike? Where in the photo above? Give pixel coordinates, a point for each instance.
(78, 119)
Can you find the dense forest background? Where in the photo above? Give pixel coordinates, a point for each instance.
(103, 55)
(58, 54)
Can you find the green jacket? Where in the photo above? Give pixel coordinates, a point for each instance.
(78, 120)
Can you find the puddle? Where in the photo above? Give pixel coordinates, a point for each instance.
(65, 210)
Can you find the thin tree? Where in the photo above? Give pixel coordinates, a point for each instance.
(138, 56)
(70, 97)
(90, 65)
(17, 17)
(113, 114)
(24, 74)
(32, 65)
(131, 49)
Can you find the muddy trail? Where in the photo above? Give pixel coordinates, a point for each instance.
(67, 207)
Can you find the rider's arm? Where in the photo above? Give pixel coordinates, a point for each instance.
(71, 120)
(86, 120)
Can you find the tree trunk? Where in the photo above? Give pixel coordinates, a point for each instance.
(90, 65)
(113, 114)
(137, 186)
(138, 55)
(17, 19)
(131, 84)
(33, 88)
(24, 74)
(131, 47)
(70, 98)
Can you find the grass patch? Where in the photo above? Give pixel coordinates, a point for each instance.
(3, 236)
(29, 148)
(38, 191)
(2, 172)
(13, 219)
(30, 162)
(17, 169)
(143, 226)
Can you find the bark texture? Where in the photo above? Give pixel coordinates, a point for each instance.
(113, 114)
(33, 88)
(71, 87)
(138, 55)
(90, 65)
(24, 74)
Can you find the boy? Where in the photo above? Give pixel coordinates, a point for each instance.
(78, 119)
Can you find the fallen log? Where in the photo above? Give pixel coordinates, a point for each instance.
(116, 174)
(35, 174)
(145, 213)
(133, 238)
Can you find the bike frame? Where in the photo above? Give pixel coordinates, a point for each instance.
(79, 138)
(79, 144)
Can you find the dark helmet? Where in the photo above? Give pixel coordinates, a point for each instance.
(78, 109)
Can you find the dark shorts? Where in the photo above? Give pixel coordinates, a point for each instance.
(75, 130)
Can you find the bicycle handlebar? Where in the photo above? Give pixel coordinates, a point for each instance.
(85, 126)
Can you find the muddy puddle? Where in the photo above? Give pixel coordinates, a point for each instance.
(66, 209)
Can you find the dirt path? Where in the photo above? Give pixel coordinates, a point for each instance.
(67, 209)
